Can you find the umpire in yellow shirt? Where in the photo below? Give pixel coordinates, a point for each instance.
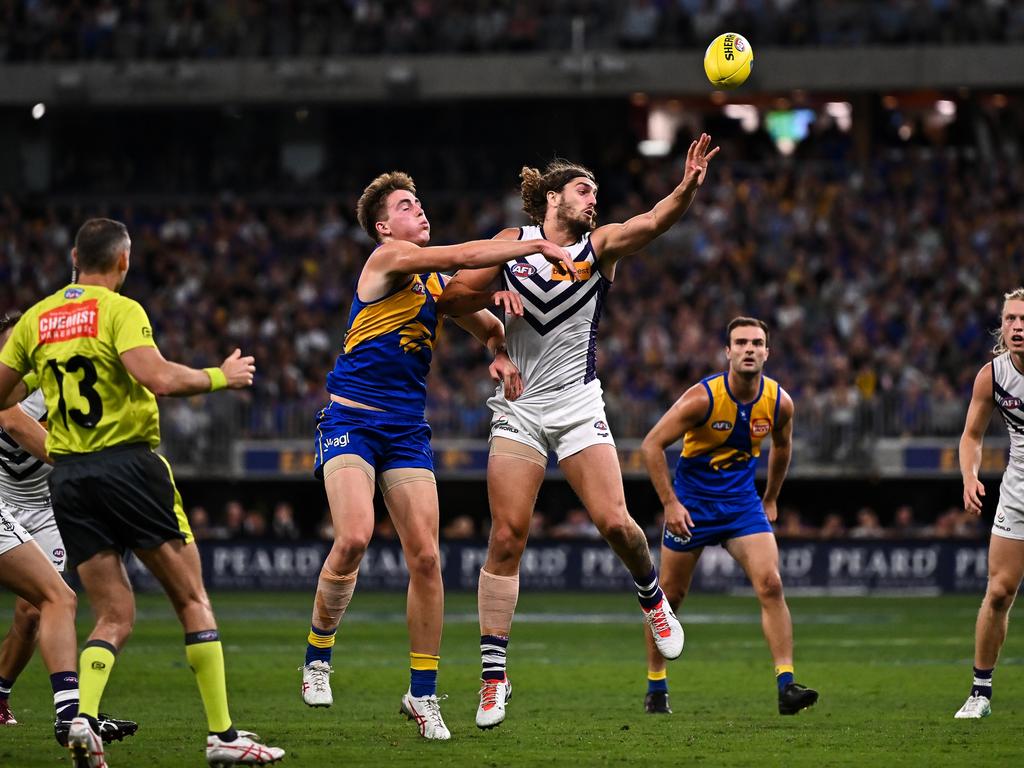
(98, 365)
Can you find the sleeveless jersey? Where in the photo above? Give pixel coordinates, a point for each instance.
(23, 481)
(554, 343)
(388, 348)
(1008, 391)
(720, 454)
(73, 340)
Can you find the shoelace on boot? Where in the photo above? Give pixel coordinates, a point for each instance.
(659, 620)
(489, 693)
(432, 707)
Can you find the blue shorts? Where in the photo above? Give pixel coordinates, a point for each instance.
(715, 522)
(384, 440)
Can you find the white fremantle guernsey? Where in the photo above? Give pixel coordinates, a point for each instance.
(554, 343)
(23, 477)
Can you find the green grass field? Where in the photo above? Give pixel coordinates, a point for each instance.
(891, 673)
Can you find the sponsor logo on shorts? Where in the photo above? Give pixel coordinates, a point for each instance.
(600, 425)
(58, 553)
(722, 426)
(1011, 402)
(502, 424)
(523, 271)
(69, 321)
(336, 442)
(1001, 517)
(678, 539)
(760, 427)
(73, 293)
(8, 526)
(1002, 527)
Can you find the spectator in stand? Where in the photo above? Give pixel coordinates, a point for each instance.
(282, 525)
(199, 522)
(833, 527)
(868, 526)
(460, 527)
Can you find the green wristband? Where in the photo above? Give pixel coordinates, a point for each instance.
(217, 378)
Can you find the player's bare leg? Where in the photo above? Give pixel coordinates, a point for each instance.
(677, 569)
(411, 498)
(27, 572)
(596, 477)
(758, 555)
(16, 651)
(349, 483)
(514, 476)
(1005, 572)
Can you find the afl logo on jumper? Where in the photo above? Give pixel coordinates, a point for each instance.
(722, 426)
(522, 271)
(760, 427)
(1011, 402)
(419, 288)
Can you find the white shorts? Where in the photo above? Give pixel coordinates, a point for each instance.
(564, 421)
(39, 524)
(1009, 520)
(12, 534)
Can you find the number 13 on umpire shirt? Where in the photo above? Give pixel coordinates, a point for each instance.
(73, 340)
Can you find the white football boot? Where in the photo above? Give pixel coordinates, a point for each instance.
(316, 684)
(665, 628)
(494, 694)
(426, 711)
(974, 708)
(244, 750)
(85, 745)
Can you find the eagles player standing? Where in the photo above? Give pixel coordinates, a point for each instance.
(712, 499)
(99, 368)
(998, 385)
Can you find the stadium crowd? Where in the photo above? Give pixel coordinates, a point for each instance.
(57, 30)
(824, 249)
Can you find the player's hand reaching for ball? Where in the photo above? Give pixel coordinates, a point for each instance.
(697, 158)
(677, 520)
(238, 370)
(558, 256)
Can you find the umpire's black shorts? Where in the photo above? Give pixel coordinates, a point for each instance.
(116, 498)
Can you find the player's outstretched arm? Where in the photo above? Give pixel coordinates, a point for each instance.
(474, 289)
(979, 413)
(164, 378)
(687, 412)
(491, 333)
(613, 241)
(26, 431)
(779, 456)
(398, 257)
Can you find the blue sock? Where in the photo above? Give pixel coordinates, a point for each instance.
(319, 644)
(982, 683)
(65, 694)
(657, 686)
(422, 682)
(648, 591)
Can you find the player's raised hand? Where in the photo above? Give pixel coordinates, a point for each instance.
(558, 256)
(973, 493)
(505, 371)
(509, 302)
(697, 158)
(677, 519)
(238, 370)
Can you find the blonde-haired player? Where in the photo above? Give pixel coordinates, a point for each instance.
(999, 385)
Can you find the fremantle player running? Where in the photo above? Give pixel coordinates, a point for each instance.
(999, 385)
(374, 430)
(93, 352)
(561, 409)
(25, 499)
(712, 500)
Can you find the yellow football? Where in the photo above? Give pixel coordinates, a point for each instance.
(728, 60)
